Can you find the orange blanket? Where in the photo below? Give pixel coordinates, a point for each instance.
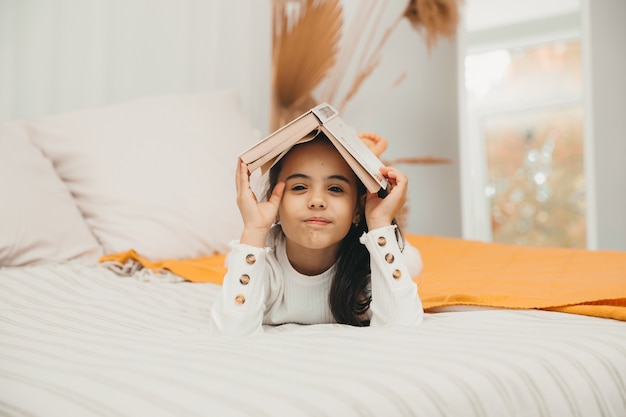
(464, 272)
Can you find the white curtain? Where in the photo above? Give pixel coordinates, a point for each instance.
(57, 55)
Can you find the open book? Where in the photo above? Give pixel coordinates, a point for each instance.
(322, 118)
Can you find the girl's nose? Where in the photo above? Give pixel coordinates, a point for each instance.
(316, 201)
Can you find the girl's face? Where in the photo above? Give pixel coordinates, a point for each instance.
(319, 204)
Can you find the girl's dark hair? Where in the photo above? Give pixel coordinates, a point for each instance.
(349, 298)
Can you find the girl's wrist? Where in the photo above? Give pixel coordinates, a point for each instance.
(254, 237)
(378, 223)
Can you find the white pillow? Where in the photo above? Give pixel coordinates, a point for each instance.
(154, 174)
(39, 221)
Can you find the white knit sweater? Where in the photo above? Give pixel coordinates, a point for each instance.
(262, 288)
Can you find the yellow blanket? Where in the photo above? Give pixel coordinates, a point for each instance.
(464, 272)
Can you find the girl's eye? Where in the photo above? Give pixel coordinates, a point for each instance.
(298, 187)
(335, 189)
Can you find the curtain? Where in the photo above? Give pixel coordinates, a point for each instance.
(56, 55)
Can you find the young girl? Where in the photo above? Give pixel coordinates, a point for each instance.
(319, 250)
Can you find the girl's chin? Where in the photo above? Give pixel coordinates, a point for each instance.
(314, 243)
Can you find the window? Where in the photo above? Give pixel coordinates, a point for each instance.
(523, 94)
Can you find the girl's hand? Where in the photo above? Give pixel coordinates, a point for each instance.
(257, 217)
(380, 212)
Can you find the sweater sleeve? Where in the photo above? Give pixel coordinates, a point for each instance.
(239, 307)
(395, 299)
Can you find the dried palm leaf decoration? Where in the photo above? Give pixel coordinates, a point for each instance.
(311, 46)
(306, 43)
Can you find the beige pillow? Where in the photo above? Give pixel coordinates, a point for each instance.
(154, 174)
(39, 221)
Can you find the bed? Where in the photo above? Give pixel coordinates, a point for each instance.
(114, 225)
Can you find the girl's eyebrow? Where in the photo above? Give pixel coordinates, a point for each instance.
(292, 176)
(337, 177)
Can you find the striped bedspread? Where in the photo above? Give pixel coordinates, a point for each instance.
(79, 340)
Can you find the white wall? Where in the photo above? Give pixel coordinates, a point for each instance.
(419, 118)
(606, 34)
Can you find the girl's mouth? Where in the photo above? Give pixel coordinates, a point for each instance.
(321, 221)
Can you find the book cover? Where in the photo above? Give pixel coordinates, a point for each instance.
(322, 118)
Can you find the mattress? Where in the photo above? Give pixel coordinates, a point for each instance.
(79, 340)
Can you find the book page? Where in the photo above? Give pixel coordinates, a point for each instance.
(359, 151)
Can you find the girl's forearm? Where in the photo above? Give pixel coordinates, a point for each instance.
(395, 299)
(239, 307)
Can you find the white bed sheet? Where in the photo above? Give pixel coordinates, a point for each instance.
(79, 340)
